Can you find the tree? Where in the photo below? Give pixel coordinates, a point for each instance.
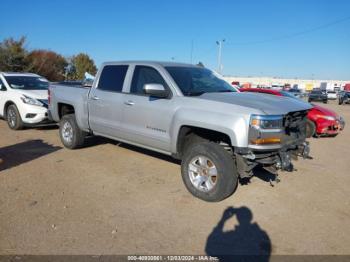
(48, 64)
(13, 55)
(82, 63)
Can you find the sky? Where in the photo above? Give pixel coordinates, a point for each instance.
(290, 38)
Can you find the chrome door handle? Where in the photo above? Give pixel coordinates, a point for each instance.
(129, 103)
(95, 98)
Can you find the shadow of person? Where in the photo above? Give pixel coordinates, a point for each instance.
(246, 242)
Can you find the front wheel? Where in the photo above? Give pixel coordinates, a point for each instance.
(209, 171)
(71, 135)
(13, 118)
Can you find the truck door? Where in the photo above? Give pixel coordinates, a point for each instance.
(147, 119)
(106, 100)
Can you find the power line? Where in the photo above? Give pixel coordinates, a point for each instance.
(292, 35)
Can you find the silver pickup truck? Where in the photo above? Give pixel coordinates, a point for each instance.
(190, 113)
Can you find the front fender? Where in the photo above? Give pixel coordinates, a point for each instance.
(234, 126)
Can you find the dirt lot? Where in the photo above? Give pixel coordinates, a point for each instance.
(115, 199)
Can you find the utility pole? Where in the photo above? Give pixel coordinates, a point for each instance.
(219, 43)
(191, 56)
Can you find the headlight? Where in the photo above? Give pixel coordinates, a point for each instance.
(31, 101)
(330, 118)
(266, 122)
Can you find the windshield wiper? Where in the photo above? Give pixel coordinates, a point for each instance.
(198, 93)
(225, 91)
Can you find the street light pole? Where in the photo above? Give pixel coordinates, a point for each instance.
(219, 43)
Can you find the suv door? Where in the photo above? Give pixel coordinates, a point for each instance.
(105, 101)
(147, 119)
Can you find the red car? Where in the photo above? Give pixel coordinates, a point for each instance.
(321, 121)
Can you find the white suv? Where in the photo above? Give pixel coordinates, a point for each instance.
(23, 99)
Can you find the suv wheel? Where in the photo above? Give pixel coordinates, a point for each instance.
(71, 135)
(209, 171)
(13, 117)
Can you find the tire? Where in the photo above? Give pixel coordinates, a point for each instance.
(325, 101)
(309, 100)
(310, 128)
(13, 118)
(340, 102)
(71, 135)
(215, 156)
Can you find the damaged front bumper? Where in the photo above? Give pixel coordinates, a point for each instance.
(277, 156)
(273, 160)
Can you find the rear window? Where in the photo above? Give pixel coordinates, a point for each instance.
(112, 78)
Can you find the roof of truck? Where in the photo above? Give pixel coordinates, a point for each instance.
(162, 63)
(17, 74)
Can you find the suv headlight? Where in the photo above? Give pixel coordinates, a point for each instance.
(31, 101)
(266, 122)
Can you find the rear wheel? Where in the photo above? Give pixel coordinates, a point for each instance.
(71, 135)
(13, 117)
(310, 128)
(325, 101)
(209, 171)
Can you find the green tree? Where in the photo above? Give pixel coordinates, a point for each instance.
(48, 64)
(13, 55)
(82, 63)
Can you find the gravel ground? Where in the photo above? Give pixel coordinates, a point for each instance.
(109, 198)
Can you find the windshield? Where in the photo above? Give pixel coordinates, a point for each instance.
(27, 82)
(195, 81)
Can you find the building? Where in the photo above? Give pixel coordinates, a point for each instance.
(303, 84)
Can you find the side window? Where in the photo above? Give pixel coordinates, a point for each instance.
(112, 78)
(145, 75)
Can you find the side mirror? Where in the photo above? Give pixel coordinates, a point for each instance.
(87, 83)
(156, 90)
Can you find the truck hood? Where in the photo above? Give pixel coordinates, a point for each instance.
(268, 104)
(37, 94)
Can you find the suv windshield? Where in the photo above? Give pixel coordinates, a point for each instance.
(27, 82)
(195, 81)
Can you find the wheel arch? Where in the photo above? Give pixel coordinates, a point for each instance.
(210, 134)
(6, 106)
